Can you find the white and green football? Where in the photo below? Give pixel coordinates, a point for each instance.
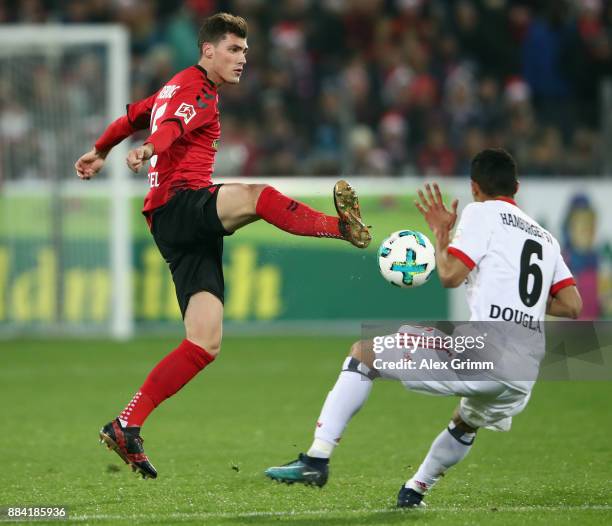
(406, 258)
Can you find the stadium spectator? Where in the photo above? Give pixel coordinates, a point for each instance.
(370, 77)
(436, 157)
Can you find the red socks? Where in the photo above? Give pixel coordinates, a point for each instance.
(295, 217)
(166, 379)
(136, 411)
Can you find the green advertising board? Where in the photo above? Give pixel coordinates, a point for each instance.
(270, 276)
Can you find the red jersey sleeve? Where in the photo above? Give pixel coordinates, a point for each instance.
(116, 131)
(137, 117)
(139, 112)
(190, 108)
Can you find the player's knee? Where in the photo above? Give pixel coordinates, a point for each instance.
(212, 348)
(362, 351)
(211, 343)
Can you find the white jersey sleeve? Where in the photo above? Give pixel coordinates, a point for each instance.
(562, 276)
(472, 236)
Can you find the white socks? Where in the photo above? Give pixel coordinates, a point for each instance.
(348, 396)
(343, 401)
(449, 448)
(321, 449)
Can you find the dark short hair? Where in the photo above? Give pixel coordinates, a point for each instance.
(495, 172)
(215, 27)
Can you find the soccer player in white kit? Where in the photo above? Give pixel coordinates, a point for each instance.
(514, 273)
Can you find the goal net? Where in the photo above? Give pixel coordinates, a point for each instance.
(64, 243)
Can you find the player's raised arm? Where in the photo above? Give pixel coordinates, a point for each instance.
(137, 117)
(567, 303)
(451, 270)
(188, 109)
(564, 300)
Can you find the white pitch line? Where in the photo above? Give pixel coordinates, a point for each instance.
(246, 515)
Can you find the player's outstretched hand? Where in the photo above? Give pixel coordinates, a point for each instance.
(440, 219)
(89, 164)
(138, 156)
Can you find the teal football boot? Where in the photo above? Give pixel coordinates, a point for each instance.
(305, 470)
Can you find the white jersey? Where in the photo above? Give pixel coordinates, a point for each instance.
(515, 265)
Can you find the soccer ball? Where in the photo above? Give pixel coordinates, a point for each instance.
(406, 258)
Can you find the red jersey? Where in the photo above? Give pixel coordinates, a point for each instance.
(183, 118)
(185, 129)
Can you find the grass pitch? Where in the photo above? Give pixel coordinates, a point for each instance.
(256, 406)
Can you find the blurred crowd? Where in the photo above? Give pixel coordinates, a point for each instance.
(373, 87)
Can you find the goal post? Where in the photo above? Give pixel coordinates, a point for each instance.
(121, 243)
(35, 61)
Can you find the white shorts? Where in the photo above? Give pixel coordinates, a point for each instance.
(485, 402)
(488, 404)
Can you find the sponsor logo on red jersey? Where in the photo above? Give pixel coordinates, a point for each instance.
(167, 92)
(186, 112)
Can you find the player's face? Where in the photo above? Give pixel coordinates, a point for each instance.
(229, 58)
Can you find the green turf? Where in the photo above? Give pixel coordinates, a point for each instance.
(255, 407)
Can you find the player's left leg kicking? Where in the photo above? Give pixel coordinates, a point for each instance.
(199, 220)
(350, 393)
(241, 204)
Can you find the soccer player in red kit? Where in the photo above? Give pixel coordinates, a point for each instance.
(189, 215)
